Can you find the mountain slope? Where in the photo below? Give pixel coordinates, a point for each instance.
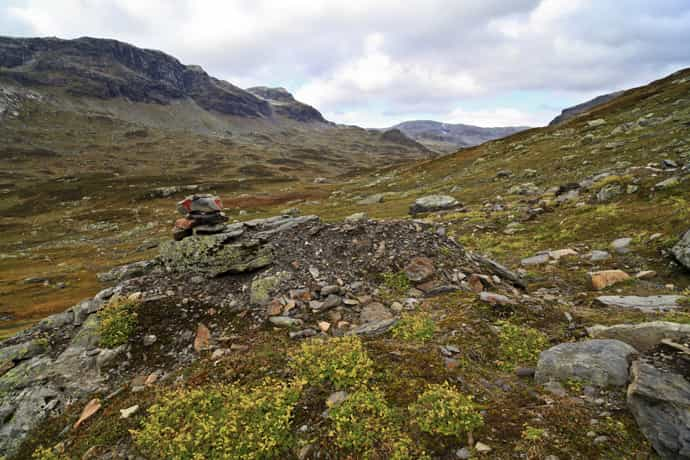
(578, 109)
(449, 137)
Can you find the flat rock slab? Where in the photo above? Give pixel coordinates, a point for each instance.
(215, 255)
(660, 402)
(597, 362)
(432, 203)
(650, 303)
(644, 336)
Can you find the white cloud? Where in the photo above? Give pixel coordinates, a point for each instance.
(369, 59)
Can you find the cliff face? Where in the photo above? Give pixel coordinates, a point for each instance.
(108, 69)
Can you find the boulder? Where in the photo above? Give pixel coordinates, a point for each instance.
(681, 251)
(597, 362)
(654, 303)
(374, 328)
(432, 203)
(644, 336)
(535, 260)
(374, 312)
(660, 402)
(215, 255)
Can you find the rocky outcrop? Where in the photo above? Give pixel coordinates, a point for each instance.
(660, 402)
(681, 250)
(215, 255)
(597, 362)
(456, 135)
(40, 376)
(285, 104)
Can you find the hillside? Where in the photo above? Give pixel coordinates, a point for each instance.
(448, 137)
(570, 112)
(359, 316)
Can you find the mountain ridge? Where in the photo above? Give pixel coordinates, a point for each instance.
(451, 136)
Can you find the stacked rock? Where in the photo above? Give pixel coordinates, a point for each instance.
(202, 215)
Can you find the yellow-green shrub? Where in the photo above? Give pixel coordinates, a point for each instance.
(227, 421)
(519, 345)
(341, 361)
(44, 453)
(418, 327)
(364, 426)
(442, 410)
(118, 320)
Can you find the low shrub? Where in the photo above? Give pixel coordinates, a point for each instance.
(341, 361)
(364, 426)
(227, 421)
(417, 327)
(118, 320)
(442, 410)
(519, 345)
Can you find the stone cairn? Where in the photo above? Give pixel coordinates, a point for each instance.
(202, 215)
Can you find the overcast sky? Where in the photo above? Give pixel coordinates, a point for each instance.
(378, 62)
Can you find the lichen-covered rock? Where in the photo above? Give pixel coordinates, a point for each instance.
(260, 291)
(681, 250)
(597, 362)
(125, 272)
(433, 203)
(215, 255)
(660, 402)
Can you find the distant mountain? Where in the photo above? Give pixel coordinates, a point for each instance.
(449, 137)
(575, 110)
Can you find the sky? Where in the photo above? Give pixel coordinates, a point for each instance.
(375, 63)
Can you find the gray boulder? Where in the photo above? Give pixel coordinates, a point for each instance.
(681, 251)
(655, 303)
(660, 402)
(432, 203)
(597, 362)
(215, 255)
(644, 336)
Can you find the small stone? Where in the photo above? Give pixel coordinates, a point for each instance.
(151, 379)
(274, 308)
(374, 312)
(397, 307)
(218, 353)
(149, 339)
(495, 299)
(600, 440)
(330, 289)
(463, 454)
(524, 372)
(336, 398)
(645, 275)
(203, 336)
(302, 334)
(126, 413)
(420, 269)
(621, 245)
(284, 321)
(598, 256)
(558, 254)
(330, 302)
(605, 278)
(356, 218)
(314, 272)
(324, 326)
(239, 347)
(535, 260)
(482, 448)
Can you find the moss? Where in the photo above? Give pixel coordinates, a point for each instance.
(396, 284)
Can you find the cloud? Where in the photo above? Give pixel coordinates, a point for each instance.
(395, 60)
